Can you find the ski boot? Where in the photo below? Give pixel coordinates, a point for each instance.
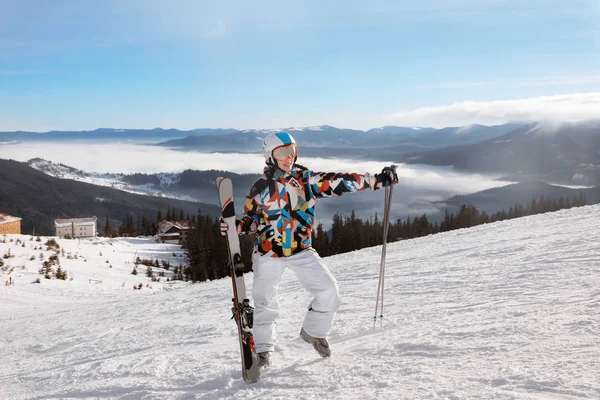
(321, 345)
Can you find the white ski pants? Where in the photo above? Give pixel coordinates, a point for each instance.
(314, 277)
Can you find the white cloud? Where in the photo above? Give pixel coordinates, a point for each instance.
(561, 108)
(131, 158)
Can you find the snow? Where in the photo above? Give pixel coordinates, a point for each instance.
(114, 180)
(5, 218)
(509, 310)
(303, 129)
(61, 223)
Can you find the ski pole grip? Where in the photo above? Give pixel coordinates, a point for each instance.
(392, 168)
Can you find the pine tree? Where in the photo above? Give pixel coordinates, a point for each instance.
(581, 201)
(321, 241)
(446, 224)
(60, 273)
(337, 234)
(107, 229)
(534, 207)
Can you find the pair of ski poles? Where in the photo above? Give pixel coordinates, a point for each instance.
(387, 206)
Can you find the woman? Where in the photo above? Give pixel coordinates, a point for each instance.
(280, 212)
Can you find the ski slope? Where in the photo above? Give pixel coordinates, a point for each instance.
(509, 310)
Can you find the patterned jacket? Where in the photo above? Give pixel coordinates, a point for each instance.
(281, 210)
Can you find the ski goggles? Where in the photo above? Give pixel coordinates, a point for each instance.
(283, 152)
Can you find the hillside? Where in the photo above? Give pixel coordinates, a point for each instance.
(38, 199)
(504, 197)
(567, 154)
(508, 310)
(325, 140)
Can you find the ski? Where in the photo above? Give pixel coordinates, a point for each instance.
(241, 309)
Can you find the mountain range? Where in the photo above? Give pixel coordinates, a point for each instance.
(315, 141)
(567, 153)
(38, 198)
(250, 140)
(199, 186)
(534, 155)
(109, 134)
(502, 198)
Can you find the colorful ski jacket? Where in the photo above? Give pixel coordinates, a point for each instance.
(281, 210)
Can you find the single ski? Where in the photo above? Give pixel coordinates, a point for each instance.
(242, 311)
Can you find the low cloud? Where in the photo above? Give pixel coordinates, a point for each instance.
(420, 185)
(560, 108)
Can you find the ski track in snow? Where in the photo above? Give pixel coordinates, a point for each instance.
(509, 310)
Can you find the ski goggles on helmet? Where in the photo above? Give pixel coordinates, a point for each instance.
(283, 152)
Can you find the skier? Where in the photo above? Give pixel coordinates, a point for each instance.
(279, 210)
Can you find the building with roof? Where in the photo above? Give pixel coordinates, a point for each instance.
(173, 232)
(10, 224)
(76, 227)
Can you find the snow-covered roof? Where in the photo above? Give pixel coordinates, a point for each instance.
(5, 218)
(164, 226)
(59, 223)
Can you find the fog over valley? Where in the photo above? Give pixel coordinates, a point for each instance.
(420, 185)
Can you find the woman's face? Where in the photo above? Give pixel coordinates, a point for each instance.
(285, 156)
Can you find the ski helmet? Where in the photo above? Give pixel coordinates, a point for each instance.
(273, 141)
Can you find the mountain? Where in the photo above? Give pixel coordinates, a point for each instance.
(507, 310)
(568, 153)
(328, 140)
(199, 186)
(190, 185)
(109, 134)
(153, 185)
(317, 141)
(395, 130)
(497, 199)
(38, 198)
(454, 136)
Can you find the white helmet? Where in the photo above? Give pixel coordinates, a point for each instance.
(273, 141)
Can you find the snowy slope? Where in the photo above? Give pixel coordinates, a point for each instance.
(115, 181)
(509, 310)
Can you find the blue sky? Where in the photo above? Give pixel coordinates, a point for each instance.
(268, 64)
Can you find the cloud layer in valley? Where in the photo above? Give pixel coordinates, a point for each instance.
(419, 184)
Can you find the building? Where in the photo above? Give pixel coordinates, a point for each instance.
(76, 227)
(9, 224)
(173, 232)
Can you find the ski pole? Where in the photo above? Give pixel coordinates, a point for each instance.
(386, 222)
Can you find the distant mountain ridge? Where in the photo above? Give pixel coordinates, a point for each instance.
(315, 140)
(38, 198)
(497, 199)
(568, 154)
(153, 135)
(188, 185)
(200, 186)
(249, 140)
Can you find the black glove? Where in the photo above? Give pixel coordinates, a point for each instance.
(387, 177)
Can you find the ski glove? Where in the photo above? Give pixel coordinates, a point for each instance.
(224, 227)
(387, 177)
(239, 227)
